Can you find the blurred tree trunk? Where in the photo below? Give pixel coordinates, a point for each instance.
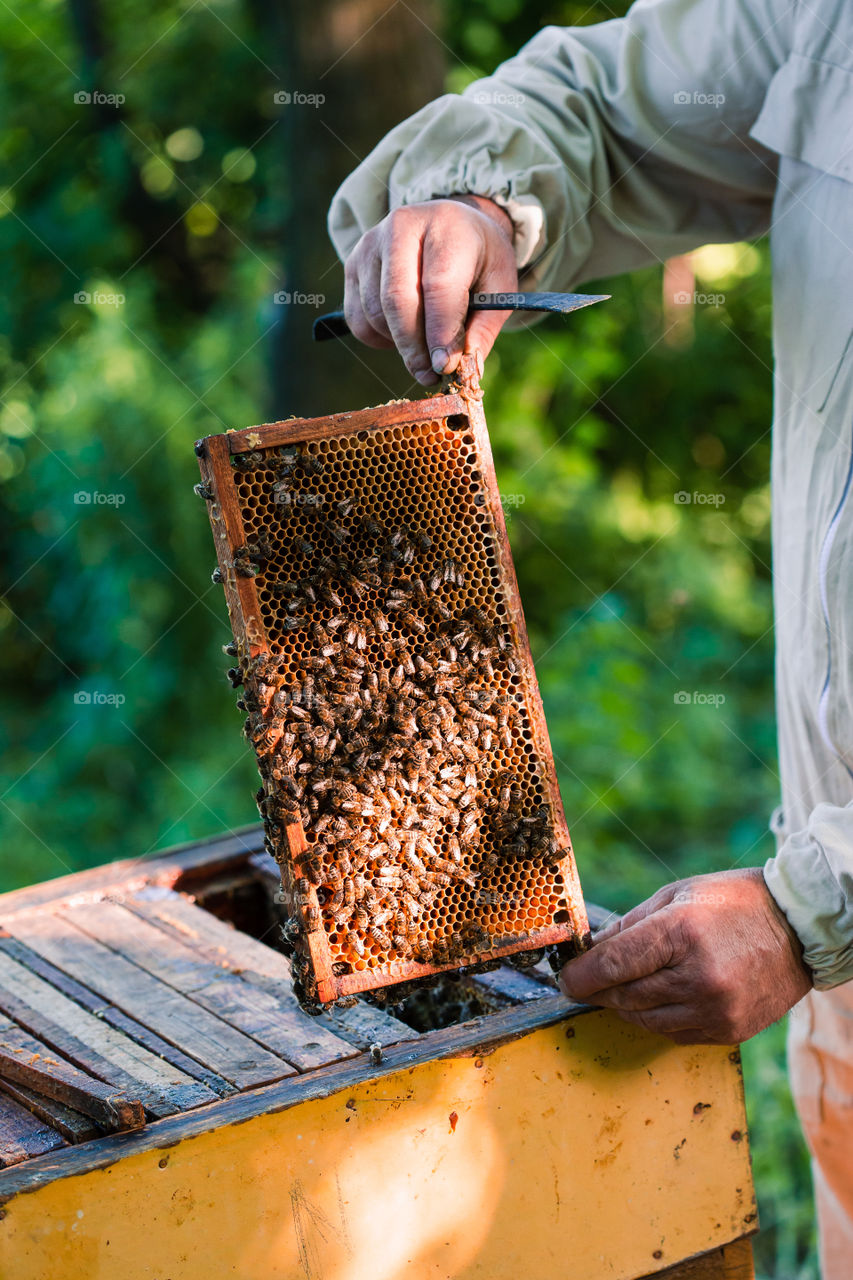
(375, 62)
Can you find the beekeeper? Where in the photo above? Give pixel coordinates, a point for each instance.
(598, 150)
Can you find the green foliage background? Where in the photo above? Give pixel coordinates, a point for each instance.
(630, 596)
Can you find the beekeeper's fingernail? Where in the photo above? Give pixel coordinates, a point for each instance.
(440, 357)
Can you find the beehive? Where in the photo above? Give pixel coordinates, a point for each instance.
(409, 792)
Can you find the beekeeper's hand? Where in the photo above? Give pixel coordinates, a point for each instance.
(409, 277)
(709, 960)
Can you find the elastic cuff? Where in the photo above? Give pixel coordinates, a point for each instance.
(807, 892)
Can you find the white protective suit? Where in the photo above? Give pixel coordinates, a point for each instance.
(618, 145)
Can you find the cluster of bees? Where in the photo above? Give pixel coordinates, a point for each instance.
(383, 745)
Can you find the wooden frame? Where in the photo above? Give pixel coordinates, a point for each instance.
(465, 412)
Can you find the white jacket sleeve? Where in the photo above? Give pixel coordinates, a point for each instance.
(811, 879)
(611, 146)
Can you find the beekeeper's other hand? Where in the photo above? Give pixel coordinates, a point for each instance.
(709, 960)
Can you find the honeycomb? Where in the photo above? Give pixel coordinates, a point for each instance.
(408, 790)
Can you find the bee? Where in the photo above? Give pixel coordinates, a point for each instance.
(356, 585)
(330, 595)
(345, 507)
(396, 600)
(423, 541)
(371, 528)
(480, 620)
(439, 609)
(380, 937)
(355, 943)
(546, 849)
(247, 461)
(360, 918)
(502, 641)
(422, 951)
(469, 830)
(203, 490)
(260, 549)
(356, 633)
(441, 951)
(438, 877)
(312, 919)
(289, 456)
(337, 532)
(312, 464)
(413, 622)
(401, 944)
(303, 547)
(409, 884)
(451, 573)
(288, 589)
(291, 932)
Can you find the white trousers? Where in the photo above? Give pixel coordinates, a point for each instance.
(820, 1057)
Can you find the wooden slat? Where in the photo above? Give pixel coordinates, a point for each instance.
(732, 1262)
(93, 1045)
(274, 1021)
(263, 966)
(197, 1032)
(181, 866)
(385, 415)
(22, 1136)
(73, 1125)
(510, 986)
(113, 1017)
(25, 1060)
